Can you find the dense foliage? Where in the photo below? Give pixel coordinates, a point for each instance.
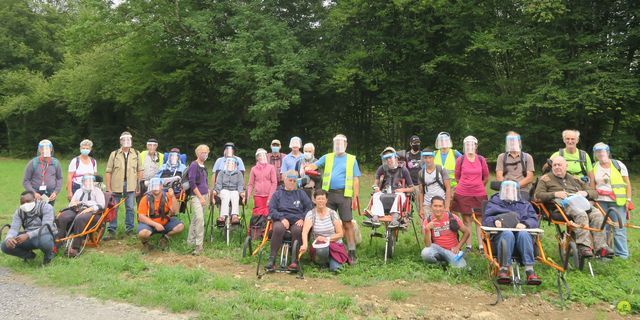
(208, 71)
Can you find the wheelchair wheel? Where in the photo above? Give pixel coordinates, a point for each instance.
(294, 250)
(2, 230)
(247, 247)
(389, 246)
(569, 255)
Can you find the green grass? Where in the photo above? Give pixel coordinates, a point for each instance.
(128, 277)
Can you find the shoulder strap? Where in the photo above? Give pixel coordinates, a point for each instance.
(523, 163)
(439, 176)
(616, 164)
(561, 152)
(583, 161)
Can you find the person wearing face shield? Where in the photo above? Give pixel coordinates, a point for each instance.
(446, 156)
(43, 175)
(611, 182)
(230, 188)
(578, 161)
(152, 161)
(199, 193)
(391, 180)
(263, 181)
(79, 166)
(507, 209)
(24, 235)
(122, 177)
(85, 202)
(433, 180)
(516, 165)
(289, 161)
(472, 174)
(229, 151)
(340, 177)
(558, 185)
(172, 170)
(275, 157)
(309, 182)
(156, 215)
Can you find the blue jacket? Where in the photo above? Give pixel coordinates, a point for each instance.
(525, 211)
(291, 205)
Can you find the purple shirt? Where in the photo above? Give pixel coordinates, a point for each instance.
(198, 178)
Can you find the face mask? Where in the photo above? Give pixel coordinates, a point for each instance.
(125, 142)
(275, 149)
(27, 207)
(85, 152)
(415, 147)
(308, 155)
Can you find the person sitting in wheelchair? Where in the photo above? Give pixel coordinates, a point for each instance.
(560, 186)
(392, 182)
(85, 202)
(172, 170)
(507, 209)
(156, 215)
(230, 188)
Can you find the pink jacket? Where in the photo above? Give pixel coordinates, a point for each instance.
(263, 180)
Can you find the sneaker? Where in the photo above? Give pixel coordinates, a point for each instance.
(270, 266)
(111, 235)
(605, 252)
(197, 251)
(503, 276)
(293, 267)
(235, 219)
(394, 221)
(374, 221)
(468, 249)
(221, 221)
(352, 256)
(164, 242)
(532, 279)
(585, 252)
(30, 256)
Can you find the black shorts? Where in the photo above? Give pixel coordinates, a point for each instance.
(338, 202)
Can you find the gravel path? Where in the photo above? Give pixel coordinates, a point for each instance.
(21, 300)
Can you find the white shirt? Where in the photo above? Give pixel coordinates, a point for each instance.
(82, 169)
(603, 178)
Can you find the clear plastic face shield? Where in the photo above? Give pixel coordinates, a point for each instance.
(230, 164)
(261, 156)
(125, 141)
(291, 180)
(174, 159)
(509, 191)
(295, 143)
(390, 159)
(155, 185)
(45, 149)
(601, 152)
(470, 145)
(228, 151)
(88, 181)
(427, 157)
(340, 145)
(152, 146)
(513, 143)
(443, 140)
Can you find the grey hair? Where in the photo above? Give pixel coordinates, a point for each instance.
(576, 132)
(87, 143)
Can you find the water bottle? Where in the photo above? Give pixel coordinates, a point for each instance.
(458, 256)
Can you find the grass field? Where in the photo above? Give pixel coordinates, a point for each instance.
(121, 272)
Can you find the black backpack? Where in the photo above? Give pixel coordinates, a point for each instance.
(523, 156)
(453, 223)
(396, 176)
(582, 160)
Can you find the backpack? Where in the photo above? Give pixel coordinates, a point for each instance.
(582, 160)
(439, 179)
(523, 156)
(77, 160)
(186, 186)
(151, 202)
(36, 160)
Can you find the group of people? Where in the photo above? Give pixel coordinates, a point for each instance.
(313, 198)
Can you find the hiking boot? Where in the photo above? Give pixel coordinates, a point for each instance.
(198, 250)
(605, 252)
(352, 256)
(111, 235)
(532, 279)
(221, 221)
(374, 221)
(72, 253)
(46, 260)
(164, 242)
(394, 221)
(235, 219)
(270, 266)
(585, 252)
(503, 276)
(30, 256)
(146, 247)
(293, 267)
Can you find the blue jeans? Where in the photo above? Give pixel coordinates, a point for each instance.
(619, 234)
(519, 241)
(436, 253)
(23, 250)
(333, 264)
(130, 205)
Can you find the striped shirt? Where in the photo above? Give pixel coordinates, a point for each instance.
(323, 226)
